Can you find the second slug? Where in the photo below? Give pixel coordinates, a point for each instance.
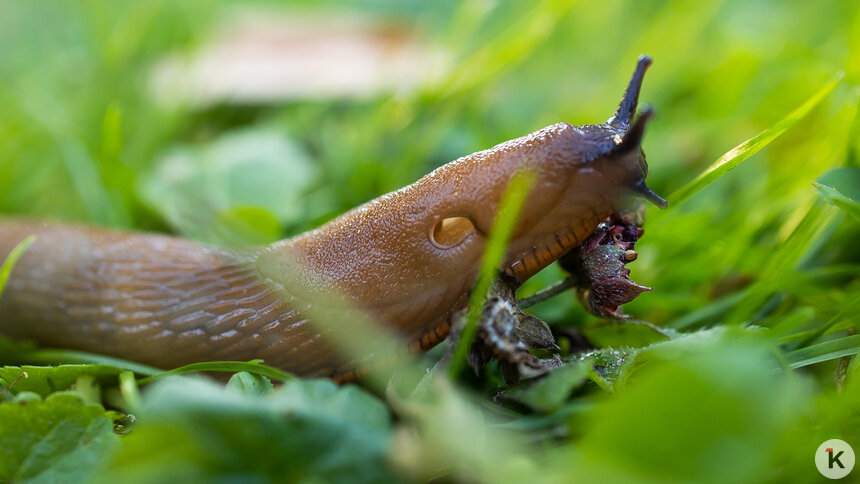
(408, 259)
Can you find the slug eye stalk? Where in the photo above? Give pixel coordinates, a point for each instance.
(633, 138)
(631, 144)
(635, 130)
(645, 192)
(627, 108)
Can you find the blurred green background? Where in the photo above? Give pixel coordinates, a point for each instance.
(98, 124)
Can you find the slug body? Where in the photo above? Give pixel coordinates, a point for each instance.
(407, 259)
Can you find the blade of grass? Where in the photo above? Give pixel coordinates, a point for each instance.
(850, 308)
(798, 340)
(51, 356)
(785, 260)
(81, 167)
(837, 198)
(500, 235)
(506, 50)
(12, 258)
(60, 356)
(253, 366)
(708, 312)
(787, 325)
(828, 350)
(741, 152)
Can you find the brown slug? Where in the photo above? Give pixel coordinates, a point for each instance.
(408, 259)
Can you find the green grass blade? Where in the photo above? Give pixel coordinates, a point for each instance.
(851, 308)
(50, 356)
(12, 258)
(828, 350)
(506, 50)
(841, 187)
(836, 197)
(708, 312)
(786, 260)
(500, 235)
(739, 153)
(254, 366)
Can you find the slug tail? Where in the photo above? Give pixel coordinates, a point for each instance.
(627, 108)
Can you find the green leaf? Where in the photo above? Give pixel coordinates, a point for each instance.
(741, 152)
(252, 225)
(17, 352)
(50, 356)
(45, 380)
(250, 384)
(610, 365)
(194, 430)
(12, 258)
(239, 188)
(58, 440)
(711, 412)
(551, 392)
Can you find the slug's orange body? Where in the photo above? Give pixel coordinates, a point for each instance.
(406, 259)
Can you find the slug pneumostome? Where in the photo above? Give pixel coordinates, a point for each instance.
(407, 259)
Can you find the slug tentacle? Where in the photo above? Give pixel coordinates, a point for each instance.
(627, 108)
(631, 146)
(632, 139)
(645, 192)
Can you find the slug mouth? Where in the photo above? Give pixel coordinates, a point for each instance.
(597, 264)
(603, 282)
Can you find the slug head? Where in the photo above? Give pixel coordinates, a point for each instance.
(417, 250)
(585, 174)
